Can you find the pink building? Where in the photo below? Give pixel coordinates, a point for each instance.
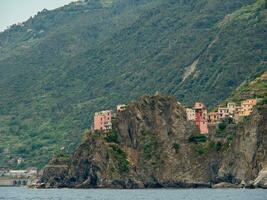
(103, 120)
(201, 114)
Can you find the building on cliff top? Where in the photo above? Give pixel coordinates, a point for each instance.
(201, 117)
(121, 107)
(231, 108)
(247, 106)
(213, 118)
(223, 112)
(191, 114)
(103, 120)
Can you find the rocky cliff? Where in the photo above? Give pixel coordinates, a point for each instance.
(247, 156)
(153, 145)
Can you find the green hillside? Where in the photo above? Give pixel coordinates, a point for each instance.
(257, 88)
(62, 65)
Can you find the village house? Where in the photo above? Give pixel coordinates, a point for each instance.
(191, 115)
(103, 120)
(231, 108)
(212, 118)
(201, 118)
(223, 113)
(121, 107)
(247, 106)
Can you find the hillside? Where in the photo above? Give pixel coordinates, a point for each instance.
(62, 65)
(256, 88)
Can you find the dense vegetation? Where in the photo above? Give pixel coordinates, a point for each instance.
(62, 65)
(256, 88)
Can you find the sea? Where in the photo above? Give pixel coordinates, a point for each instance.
(20, 193)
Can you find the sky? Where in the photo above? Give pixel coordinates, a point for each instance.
(15, 11)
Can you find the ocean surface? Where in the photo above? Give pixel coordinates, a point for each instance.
(157, 194)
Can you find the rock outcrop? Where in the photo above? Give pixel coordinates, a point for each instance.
(247, 155)
(151, 146)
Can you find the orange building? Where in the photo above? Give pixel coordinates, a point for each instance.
(201, 117)
(103, 120)
(247, 106)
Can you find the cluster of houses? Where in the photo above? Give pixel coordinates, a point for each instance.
(103, 119)
(199, 113)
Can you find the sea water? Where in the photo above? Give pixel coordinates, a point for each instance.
(16, 193)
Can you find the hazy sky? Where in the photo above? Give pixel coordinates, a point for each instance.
(14, 11)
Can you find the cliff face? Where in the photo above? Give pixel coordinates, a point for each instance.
(150, 146)
(248, 153)
(155, 133)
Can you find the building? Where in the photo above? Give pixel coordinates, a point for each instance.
(201, 117)
(191, 115)
(231, 108)
(121, 107)
(19, 161)
(223, 113)
(212, 118)
(103, 120)
(247, 106)
(18, 173)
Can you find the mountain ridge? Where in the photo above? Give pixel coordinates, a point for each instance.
(50, 88)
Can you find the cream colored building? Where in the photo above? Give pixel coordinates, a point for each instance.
(121, 107)
(191, 114)
(231, 107)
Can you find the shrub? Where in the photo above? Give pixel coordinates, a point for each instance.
(112, 137)
(176, 147)
(215, 146)
(121, 157)
(201, 149)
(222, 126)
(197, 138)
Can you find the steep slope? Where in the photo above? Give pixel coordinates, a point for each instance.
(256, 88)
(61, 66)
(153, 145)
(148, 148)
(37, 117)
(247, 155)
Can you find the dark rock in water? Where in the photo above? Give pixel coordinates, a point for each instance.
(152, 150)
